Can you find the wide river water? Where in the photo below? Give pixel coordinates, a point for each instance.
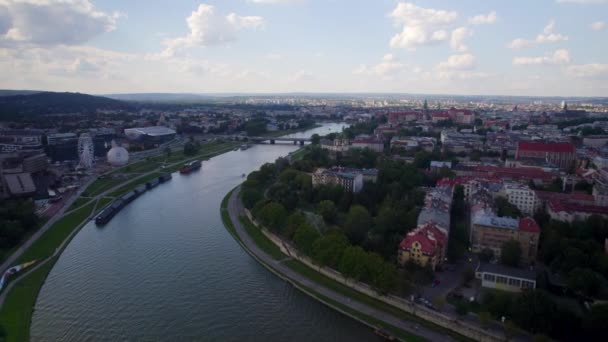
(166, 269)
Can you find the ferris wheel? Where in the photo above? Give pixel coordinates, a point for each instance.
(85, 151)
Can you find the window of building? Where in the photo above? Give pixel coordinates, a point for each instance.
(527, 284)
(514, 282)
(488, 277)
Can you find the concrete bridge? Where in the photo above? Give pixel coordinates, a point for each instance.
(265, 140)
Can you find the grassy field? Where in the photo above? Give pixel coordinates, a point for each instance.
(16, 313)
(101, 185)
(79, 202)
(52, 238)
(261, 240)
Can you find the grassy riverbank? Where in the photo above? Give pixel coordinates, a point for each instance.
(16, 312)
(267, 246)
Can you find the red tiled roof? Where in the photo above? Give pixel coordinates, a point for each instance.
(428, 236)
(440, 115)
(540, 146)
(527, 224)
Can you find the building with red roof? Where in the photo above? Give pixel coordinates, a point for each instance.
(558, 153)
(425, 246)
(440, 116)
(400, 117)
(462, 116)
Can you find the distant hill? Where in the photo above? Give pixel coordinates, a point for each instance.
(45, 103)
(161, 97)
(6, 92)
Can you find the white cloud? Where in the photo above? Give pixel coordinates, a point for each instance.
(598, 25)
(301, 75)
(420, 26)
(548, 36)
(274, 56)
(480, 19)
(594, 70)
(582, 2)
(457, 39)
(52, 22)
(388, 66)
(207, 28)
(464, 61)
(561, 56)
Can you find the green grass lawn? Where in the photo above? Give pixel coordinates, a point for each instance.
(16, 313)
(102, 202)
(101, 185)
(261, 240)
(79, 202)
(49, 241)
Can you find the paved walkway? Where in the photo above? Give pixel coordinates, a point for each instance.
(235, 209)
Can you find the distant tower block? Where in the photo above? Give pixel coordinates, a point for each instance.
(86, 153)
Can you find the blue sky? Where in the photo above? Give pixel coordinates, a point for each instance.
(540, 47)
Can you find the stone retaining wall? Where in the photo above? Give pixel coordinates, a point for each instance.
(442, 320)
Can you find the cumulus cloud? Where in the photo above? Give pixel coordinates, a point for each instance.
(302, 75)
(464, 61)
(548, 36)
(52, 22)
(594, 70)
(208, 28)
(480, 19)
(389, 65)
(561, 56)
(420, 26)
(457, 38)
(598, 25)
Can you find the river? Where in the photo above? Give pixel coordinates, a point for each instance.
(165, 268)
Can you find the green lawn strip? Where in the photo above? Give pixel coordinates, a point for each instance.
(397, 332)
(226, 216)
(131, 185)
(261, 240)
(299, 154)
(79, 202)
(16, 313)
(101, 185)
(52, 238)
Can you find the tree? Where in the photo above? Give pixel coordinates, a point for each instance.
(585, 281)
(327, 209)
(506, 209)
(167, 151)
(328, 249)
(486, 255)
(594, 323)
(358, 222)
(273, 215)
(191, 148)
(315, 139)
(305, 237)
(250, 197)
(461, 308)
(510, 253)
(352, 262)
(468, 275)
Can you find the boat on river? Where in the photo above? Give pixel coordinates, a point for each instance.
(191, 166)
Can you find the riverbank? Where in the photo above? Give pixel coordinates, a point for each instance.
(331, 293)
(17, 300)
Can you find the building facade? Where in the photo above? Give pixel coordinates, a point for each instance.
(561, 154)
(350, 179)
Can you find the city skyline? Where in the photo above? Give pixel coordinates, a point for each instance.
(547, 48)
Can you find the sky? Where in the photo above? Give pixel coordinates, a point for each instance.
(464, 47)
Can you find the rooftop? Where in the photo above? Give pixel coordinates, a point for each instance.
(514, 272)
(541, 146)
(152, 130)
